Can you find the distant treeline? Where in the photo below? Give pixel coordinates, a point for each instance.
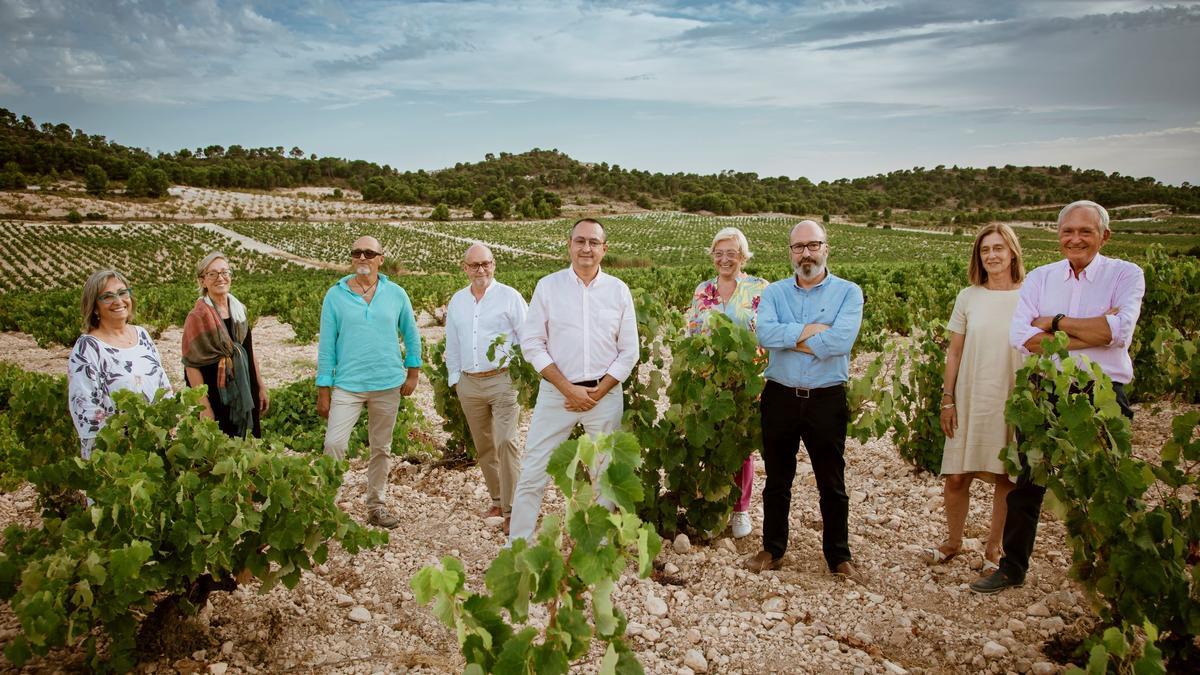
(534, 183)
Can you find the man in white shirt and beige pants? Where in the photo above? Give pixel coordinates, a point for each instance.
(475, 316)
(581, 335)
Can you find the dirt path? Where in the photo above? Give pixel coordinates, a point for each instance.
(256, 245)
(467, 240)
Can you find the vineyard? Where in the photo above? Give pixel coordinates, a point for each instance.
(236, 570)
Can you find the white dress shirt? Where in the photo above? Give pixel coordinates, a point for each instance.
(587, 330)
(472, 326)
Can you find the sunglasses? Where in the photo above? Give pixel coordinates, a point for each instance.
(364, 253)
(227, 274)
(110, 297)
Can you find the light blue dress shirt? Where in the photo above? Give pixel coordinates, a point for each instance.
(783, 312)
(359, 348)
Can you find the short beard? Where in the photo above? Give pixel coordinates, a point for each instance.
(814, 272)
(362, 270)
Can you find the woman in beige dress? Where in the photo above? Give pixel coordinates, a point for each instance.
(980, 372)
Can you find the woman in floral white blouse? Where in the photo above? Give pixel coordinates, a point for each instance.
(735, 294)
(112, 354)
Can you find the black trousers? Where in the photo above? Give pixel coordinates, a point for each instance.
(1025, 508)
(820, 421)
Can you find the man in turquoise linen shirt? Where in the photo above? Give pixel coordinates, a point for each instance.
(359, 363)
(808, 323)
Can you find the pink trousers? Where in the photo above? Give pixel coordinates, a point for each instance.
(744, 479)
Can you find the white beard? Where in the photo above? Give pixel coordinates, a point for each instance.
(363, 270)
(814, 270)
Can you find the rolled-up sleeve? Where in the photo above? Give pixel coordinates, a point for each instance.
(534, 338)
(1131, 286)
(1022, 329)
(627, 340)
(407, 325)
(774, 331)
(840, 336)
(327, 343)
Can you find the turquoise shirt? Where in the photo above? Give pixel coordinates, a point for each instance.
(784, 310)
(359, 348)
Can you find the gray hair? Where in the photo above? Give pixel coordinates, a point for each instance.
(1101, 213)
(738, 238)
(203, 265)
(92, 288)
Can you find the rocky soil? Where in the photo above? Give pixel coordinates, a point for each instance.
(705, 614)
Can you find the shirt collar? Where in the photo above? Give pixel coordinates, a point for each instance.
(577, 280)
(796, 285)
(1088, 273)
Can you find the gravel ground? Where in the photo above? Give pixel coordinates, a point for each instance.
(357, 614)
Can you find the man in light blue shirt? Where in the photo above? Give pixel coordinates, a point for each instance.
(808, 324)
(359, 363)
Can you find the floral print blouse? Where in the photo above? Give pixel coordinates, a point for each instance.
(96, 369)
(742, 306)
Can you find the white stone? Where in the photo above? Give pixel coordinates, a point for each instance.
(655, 605)
(774, 604)
(651, 635)
(682, 544)
(634, 628)
(693, 659)
(493, 521)
(227, 648)
(360, 614)
(694, 636)
(857, 496)
(671, 568)
(893, 668)
(1038, 609)
(994, 650)
(218, 668)
(344, 600)
(1053, 624)
(1016, 625)
(1044, 668)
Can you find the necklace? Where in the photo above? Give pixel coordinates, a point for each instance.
(367, 291)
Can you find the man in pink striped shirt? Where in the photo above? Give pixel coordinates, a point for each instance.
(1096, 301)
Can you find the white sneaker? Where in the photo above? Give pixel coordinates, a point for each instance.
(740, 523)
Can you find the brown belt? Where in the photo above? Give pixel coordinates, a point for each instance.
(487, 373)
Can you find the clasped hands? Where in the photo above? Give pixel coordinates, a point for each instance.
(581, 399)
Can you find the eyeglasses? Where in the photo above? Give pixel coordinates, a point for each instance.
(813, 246)
(110, 297)
(364, 253)
(475, 267)
(721, 255)
(214, 274)
(581, 242)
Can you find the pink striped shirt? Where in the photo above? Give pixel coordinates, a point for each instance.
(1104, 284)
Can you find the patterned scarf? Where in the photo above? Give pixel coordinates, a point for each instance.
(207, 341)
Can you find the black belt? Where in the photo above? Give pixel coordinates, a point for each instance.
(804, 392)
(586, 383)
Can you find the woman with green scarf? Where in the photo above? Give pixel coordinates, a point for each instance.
(218, 351)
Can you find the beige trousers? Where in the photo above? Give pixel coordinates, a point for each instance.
(490, 406)
(382, 408)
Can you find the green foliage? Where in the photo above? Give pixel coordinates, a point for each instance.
(178, 507)
(441, 212)
(74, 217)
(710, 428)
(293, 422)
(12, 177)
(1117, 651)
(1131, 524)
(1165, 343)
(95, 179)
(572, 570)
(445, 401)
(902, 392)
(35, 410)
(657, 324)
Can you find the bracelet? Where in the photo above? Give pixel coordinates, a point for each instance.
(948, 406)
(946, 393)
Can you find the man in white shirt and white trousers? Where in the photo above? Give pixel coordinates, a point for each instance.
(475, 316)
(581, 335)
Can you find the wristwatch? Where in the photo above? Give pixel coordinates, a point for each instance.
(1054, 322)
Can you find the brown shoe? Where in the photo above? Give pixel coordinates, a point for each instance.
(763, 561)
(847, 570)
(381, 517)
(492, 512)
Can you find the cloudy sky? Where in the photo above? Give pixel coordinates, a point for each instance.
(823, 89)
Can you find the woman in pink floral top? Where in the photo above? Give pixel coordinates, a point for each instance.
(734, 294)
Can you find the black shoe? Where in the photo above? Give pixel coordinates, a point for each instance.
(995, 582)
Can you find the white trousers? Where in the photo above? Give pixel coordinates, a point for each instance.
(550, 427)
(382, 409)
